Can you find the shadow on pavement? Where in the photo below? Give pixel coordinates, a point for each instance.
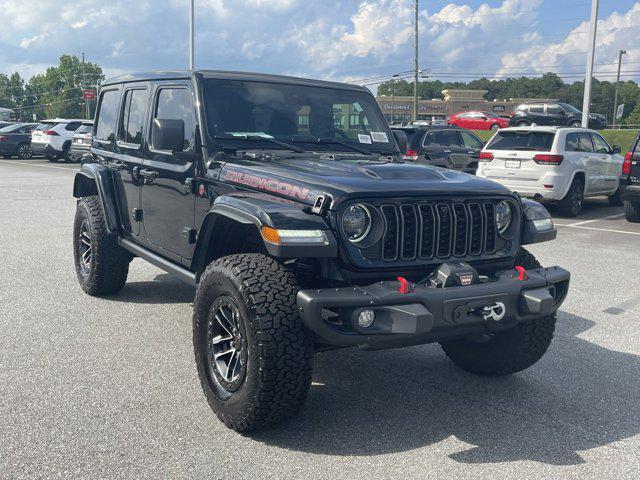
(164, 288)
(578, 397)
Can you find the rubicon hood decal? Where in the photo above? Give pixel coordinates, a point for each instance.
(267, 184)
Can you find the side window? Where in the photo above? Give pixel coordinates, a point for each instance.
(73, 126)
(537, 108)
(571, 143)
(584, 142)
(470, 141)
(107, 116)
(601, 146)
(554, 109)
(522, 108)
(442, 138)
(133, 115)
(175, 104)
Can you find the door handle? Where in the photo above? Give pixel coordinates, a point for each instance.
(149, 175)
(118, 165)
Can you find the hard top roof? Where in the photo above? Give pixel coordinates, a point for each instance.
(227, 75)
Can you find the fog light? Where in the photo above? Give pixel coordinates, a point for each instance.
(366, 318)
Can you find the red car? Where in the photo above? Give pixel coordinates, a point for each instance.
(478, 121)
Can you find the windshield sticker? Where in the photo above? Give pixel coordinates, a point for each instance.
(379, 137)
(249, 134)
(364, 138)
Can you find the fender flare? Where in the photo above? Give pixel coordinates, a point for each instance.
(256, 213)
(95, 179)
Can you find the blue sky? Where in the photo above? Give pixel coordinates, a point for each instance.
(351, 40)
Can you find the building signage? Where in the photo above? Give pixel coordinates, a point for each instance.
(499, 108)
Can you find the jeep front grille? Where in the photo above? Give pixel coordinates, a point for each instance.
(436, 230)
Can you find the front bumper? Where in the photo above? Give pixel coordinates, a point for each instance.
(429, 314)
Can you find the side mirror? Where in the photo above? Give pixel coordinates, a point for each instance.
(401, 140)
(616, 149)
(167, 134)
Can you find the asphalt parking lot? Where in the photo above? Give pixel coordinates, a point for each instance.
(107, 388)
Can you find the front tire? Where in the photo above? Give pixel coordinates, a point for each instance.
(571, 204)
(510, 351)
(632, 211)
(272, 372)
(23, 151)
(101, 264)
(615, 200)
(495, 127)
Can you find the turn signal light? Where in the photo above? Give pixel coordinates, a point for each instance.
(626, 165)
(485, 156)
(546, 159)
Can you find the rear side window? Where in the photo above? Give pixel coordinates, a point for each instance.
(133, 115)
(175, 104)
(516, 140)
(470, 141)
(536, 109)
(73, 126)
(578, 142)
(85, 129)
(554, 109)
(442, 138)
(108, 116)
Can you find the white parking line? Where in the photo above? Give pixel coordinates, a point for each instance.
(41, 166)
(584, 222)
(599, 229)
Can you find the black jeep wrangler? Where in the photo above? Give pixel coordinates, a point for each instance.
(286, 202)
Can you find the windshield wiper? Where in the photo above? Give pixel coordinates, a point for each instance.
(261, 138)
(333, 141)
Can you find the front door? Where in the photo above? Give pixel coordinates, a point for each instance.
(168, 202)
(555, 114)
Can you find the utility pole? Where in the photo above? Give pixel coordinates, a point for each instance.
(84, 86)
(393, 97)
(615, 98)
(415, 63)
(191, 36)
(586, 102)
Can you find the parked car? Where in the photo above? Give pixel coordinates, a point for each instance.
(631, 182)
(52, 138)
(7, 124)
(294, 231)
(478, 121)
(562, 165)
(557, 114)
(81, 141)
(15, 140)
(443, 146)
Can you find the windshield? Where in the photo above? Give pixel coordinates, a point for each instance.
(571, 108)
(238, 110)
(85, 129)
(522, 140)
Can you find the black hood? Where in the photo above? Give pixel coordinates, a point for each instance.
(305, 177)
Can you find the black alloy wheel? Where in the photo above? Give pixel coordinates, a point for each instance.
(24, 151)
(84, 249)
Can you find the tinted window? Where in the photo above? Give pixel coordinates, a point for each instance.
(601, 145)
(135, 109)
(554, 109)
(442, 138)
(571, 143)
(108, 115)
(584, 143)
(73, 126)
(470, 141)
(536, 141)
(536, 109)
(175, 104)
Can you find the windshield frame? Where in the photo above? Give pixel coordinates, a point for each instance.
(213, 138)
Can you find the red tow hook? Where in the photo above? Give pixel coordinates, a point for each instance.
(404, 285)
(522, 273)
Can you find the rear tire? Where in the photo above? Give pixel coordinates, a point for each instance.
(571, 204)
(65, 153)
(23, 151)
(510, 351)
(632, 211)
(101, 264)
(274, 351)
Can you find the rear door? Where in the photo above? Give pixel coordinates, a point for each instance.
(609, 166)
(444, 149)
(471, 145)
(168, 204)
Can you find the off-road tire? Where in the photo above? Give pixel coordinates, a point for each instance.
(510, 351)
(571, 204)
(109, 263)
(632, 211)
(279, 350)
(23, 151)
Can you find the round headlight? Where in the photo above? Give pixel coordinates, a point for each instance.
(356, 222)
(503, 216)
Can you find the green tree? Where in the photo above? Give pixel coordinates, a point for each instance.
(634, 117)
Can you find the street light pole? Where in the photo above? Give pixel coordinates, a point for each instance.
(415, 63)
(191, 36)
(615, 98)
(586, 101)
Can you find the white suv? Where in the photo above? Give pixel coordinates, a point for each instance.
(562, 165)
(52, 138)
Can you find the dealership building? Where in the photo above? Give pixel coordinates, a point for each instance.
(400, 108)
